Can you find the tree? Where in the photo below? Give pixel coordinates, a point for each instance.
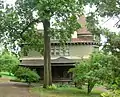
(96, 70)
(11, 29)
(19, 22)
(112, 46)
(105, 9)
(110, 9)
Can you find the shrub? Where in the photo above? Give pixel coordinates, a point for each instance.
(8, 62)
(52, 87)
(26, 74)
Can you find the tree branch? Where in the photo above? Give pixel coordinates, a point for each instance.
(28, 25)
(118, 2)
(107, 20)
(116, 24)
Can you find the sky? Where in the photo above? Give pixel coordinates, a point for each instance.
(110, 24)
(10, 1)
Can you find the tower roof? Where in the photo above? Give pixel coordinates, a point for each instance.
(83, 30)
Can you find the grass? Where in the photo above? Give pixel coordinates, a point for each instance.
(6, 77)
(6, 73)
(65, 92)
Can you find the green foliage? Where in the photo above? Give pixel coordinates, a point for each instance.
(97, 69)
(62, 15)
(109, 9)
(112, 44)
(52, 87)
(63, 85)
(26, 74)
(114, 83)
(115, 93)
(19, 23)
(7, 74)
(106, 7)
(8, 62)
(12, 28)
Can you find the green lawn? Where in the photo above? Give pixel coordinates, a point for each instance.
(7, 75)
(64, 92)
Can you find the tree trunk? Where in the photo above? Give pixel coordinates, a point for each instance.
(47, 56)
(89, 89)
(90, 86)
(49, 62)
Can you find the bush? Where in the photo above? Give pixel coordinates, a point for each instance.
(26, 74)
(52, 87)
(8, 62)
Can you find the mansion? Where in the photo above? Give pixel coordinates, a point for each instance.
(80, 46)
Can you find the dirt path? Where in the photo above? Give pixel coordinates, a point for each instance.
(9, 89)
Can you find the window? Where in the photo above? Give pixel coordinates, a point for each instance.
(67, 53)
(57, 51)
(60, 51)
(52, 51)
(1, 4)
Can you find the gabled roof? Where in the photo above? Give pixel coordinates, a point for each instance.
(62, 60)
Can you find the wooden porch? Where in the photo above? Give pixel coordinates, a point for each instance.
(60, 67)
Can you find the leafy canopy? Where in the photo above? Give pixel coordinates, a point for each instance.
(96, 70)
(62, 14)
(19, 22)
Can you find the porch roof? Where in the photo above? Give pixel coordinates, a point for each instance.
(55, 61)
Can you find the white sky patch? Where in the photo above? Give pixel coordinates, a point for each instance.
(110, 24)
(104, 22)
(40, 26)
(10, 1)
